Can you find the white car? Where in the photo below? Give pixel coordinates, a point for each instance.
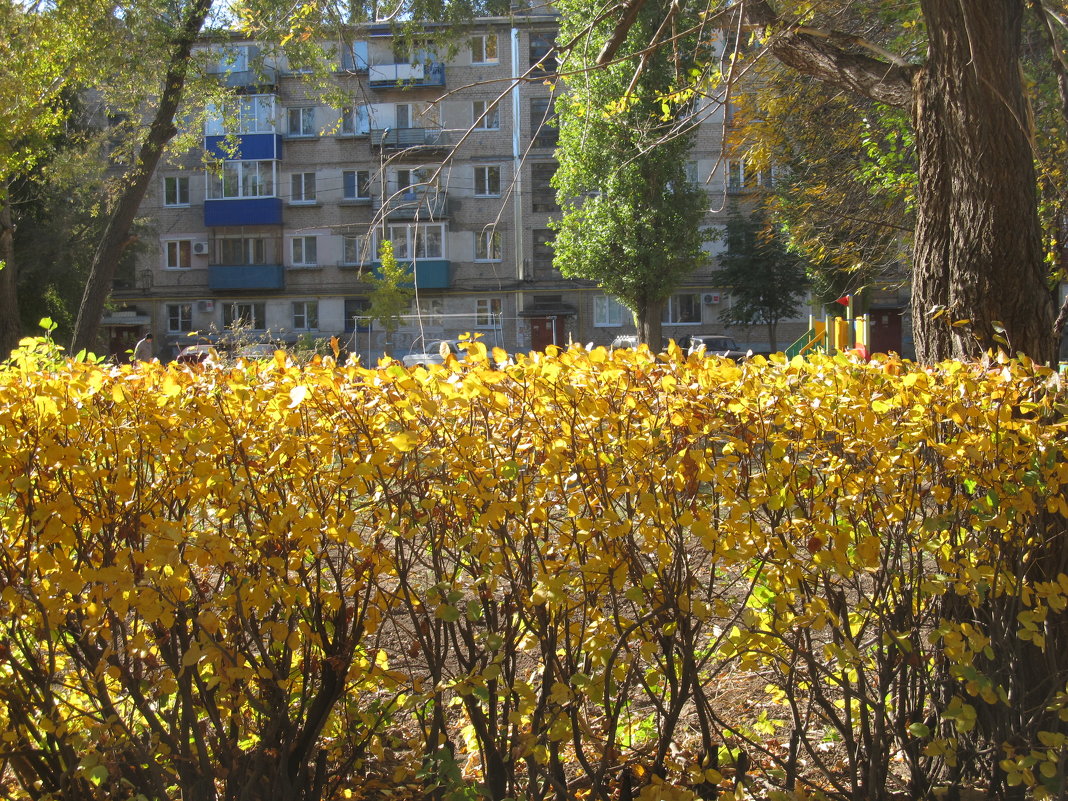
(434, 352)
(713, 345)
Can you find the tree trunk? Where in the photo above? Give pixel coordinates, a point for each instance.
(10, 328)
(116, 238)
(979, 252)
(648, 320)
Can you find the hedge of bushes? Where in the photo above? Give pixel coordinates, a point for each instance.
(588, 574)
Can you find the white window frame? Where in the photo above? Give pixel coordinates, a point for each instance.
(302, 188)
(305, 315)
(242, 179)
(236, 310)
(485, 176)
(427, 312)
(176, 191)
(419, 180)
(179, 317)
(356, 250)
(485, 115)
(355, 120)
(411, 238)
(488, 312)
(305, 119)
(305, 251)
(252, 113)
(355, 185)
(488, 246)
(608, 312)
(671, 308)
(481, 46)
(177, 251)
(233, 58)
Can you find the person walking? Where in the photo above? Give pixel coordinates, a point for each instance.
(142, 351)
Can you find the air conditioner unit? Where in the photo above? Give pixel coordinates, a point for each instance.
(711, 298)
(205, 306)
(200, 248)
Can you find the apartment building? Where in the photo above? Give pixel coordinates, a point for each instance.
(450, 160)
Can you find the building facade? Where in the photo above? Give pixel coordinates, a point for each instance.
(450, 160)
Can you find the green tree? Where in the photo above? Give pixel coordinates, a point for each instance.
(979, 264)
(389, 296)
(766, 281)
(631, 221)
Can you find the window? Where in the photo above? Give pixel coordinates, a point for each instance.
(244, 314)
(179, 317)
(543, 132)
(542, 58)
(234, 58)
(305, 251)
(355, 250)
(305, 315)
(427, 312)
(239, 249)
(609, 312)
(241, 115)
(356, 184)
(684, 307)
(735, 176)
(488, 313)
(179, 254)
(302, 187)
(485, 116)
(355, 309)
(543, 253)
(302, 121)
(420, 241)
(488, 245)
(421, 179)
(543, 194)
(238, 179)
(484, 49)
(176, 190)
(355, 121)
(488, 181)
(692, 175)
(354, 56)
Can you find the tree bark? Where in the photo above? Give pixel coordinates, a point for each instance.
(978, 248)
(116, 238)
(647, 320)
(979, 253)
(10, 328)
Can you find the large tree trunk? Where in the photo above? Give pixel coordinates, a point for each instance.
(979, 251)
(116, 238)
(10, 328)
(648, 320)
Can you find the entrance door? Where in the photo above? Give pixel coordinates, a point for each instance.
(885, 330)
(546, 331)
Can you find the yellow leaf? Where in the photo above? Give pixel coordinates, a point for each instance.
(405, 441)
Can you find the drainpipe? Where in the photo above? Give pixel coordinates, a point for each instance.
(517, 159)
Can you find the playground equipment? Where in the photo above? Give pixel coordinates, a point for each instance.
(834, 334)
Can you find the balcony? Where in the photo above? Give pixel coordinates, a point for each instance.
(245, 147)
(264, 79)
(424, 205)
(429, 273)
(392, 76)
(223, 277)
(423, 139)
(243, 211)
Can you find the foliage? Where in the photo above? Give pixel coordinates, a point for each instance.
(390, 294)
(631, 220)
(575, 574)
(767, 282)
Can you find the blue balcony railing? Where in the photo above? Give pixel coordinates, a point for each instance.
(243, 211)
(222, 277)
(245, 147)
(429, 273)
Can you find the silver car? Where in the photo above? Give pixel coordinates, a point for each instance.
(713, 345)
(434, 352)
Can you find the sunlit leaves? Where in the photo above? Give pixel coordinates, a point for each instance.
(519, 560)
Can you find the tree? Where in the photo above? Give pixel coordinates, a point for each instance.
(979, 262)
(631, 220)
(765, 279)
(389, 296)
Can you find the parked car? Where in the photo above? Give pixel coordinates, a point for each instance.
(627, 341)
(257, 350)
(713, 345)
(431, 353)
(197, 354)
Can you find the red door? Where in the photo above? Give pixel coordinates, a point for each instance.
(546, 331)
(885, 330)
